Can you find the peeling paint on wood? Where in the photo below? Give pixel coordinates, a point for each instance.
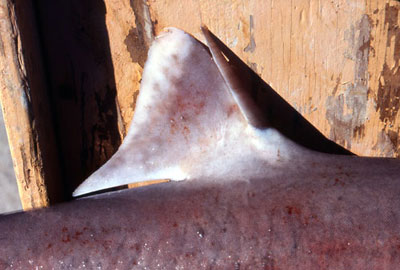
(252, 44)
(389, 84)
(140, 37)
(346, 113)
(384, 82)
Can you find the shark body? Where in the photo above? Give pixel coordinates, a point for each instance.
(333, 218)
(248, 191)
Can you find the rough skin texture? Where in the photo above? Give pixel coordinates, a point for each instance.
(333, 212)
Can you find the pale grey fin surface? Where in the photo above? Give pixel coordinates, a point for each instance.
(186, 124)
(193, 120)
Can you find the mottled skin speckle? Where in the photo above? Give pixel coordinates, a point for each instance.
(345, 215)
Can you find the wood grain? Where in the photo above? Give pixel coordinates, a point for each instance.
(26, 107)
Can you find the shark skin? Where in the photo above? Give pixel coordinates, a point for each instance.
(247, 190)
(325, 214)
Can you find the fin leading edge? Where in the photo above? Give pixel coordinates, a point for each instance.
(197, 116)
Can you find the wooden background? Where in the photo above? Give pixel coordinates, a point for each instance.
(71, 70)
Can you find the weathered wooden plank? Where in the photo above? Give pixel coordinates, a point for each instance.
(25, 107)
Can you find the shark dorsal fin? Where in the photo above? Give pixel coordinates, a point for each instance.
(197, 116)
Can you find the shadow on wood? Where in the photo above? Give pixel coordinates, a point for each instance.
(80, 78)
(272, 106)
